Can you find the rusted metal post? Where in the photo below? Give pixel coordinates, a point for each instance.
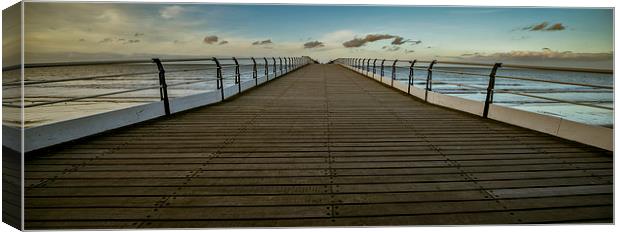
(394, 71)
(429, 79)
(410, 76)
(163, 87)
(490, 90)
(237, 74)
(220, 79)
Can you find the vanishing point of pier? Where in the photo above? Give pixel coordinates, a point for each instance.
(321, 146)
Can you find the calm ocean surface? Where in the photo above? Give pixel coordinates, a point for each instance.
(204, 81)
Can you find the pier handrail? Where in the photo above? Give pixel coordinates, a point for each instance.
(492, 76)
(295, 62)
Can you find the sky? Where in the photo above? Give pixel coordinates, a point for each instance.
(101, 31)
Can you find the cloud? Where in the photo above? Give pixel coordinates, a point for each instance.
(264, 42)
(314, 44)
(133, 41)
(170, 12)
(556, 27)
(399, 41)
(544, 54)
(210, 39)
(390, 48)
(544, 26)
(358, 42)
(82, 40)
(409, 51)
(223, 42)
(137, 34)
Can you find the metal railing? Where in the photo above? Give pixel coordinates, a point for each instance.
(365, 66)
(286, 64)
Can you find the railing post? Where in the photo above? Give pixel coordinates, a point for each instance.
(394, 71)
(280, 58)
(490, 89)
(275, 69)
(237, 74)
(285, 64)
(254, 72)
(374, 66)
(367, 66)
(410, 76)
(362, 67)
(220, 79)
(163, 87)
(382, 69)
(266, 68)
(429, 79)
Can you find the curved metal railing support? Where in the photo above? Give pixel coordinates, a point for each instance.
(266, 68)
(411, 76)
(237, 74)
(163, 87)
(275, 69)
(490, 89)
(394, 71)
(382, 69)
(429, 79)
(254, 71)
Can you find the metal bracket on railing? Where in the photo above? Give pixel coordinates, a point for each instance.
(220, 79)
(429, 79)
(275, 69)
(266, 68)
(382, 69)
(490, 90)
(237, 74)
(254, 71)
(163, 87)
(394, 71)
(410, 76)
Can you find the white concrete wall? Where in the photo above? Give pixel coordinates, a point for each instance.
(65, 131)
(596, 136)
(59, 132)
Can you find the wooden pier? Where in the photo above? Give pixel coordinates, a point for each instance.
(321, 146)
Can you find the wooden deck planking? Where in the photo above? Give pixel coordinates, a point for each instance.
(322, 146)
